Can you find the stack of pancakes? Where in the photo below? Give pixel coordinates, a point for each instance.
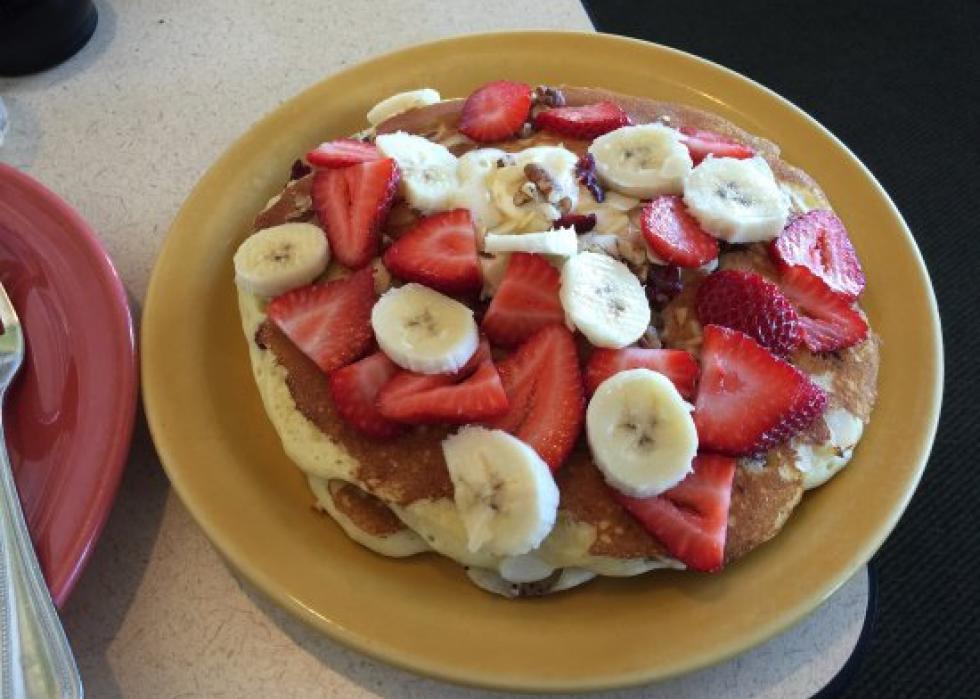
(396, 497)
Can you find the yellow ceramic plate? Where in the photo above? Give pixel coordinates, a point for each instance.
(225, 461)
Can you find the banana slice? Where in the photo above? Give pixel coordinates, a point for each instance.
(402, 102)
(504, 492)
(473, 193)
(604, 300)
(641, 432)
(428, 170)
(424, 331)
(642, 161)
(275, 260)
(533, 187)
(737, 200)
(494, 267)
(562, 242)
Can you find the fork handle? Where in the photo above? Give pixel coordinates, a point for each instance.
(35, 659)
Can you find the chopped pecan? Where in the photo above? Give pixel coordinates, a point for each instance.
(540, 177)
(548, 96)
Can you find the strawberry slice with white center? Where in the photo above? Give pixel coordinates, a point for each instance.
(700, 144)
(342, 152)
(444, 398)
(674, 235)
(330, 323)
(818, 241)
(543, 382)
(829, 322)
(585, 122)
(691, 519)
(496, 111)
(748, 302)
(677, 365)
(526, 300)
(352, 204)
(440, 252)
(354, 390)
(750, 400)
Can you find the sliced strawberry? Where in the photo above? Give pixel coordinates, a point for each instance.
(677, 365)
(354, 390)
(750, 400)
(543, 382)
(818, 241)
(330, 323)
(829, 322)
(343, 152)
(526, 301)
(585, 122)
(440, 252)
(747, 302)
(444, 398)
(674, 235)
(496, 111)
(351, 204)
(691, 519)
(700, 144)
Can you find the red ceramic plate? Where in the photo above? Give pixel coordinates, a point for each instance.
(69, 415)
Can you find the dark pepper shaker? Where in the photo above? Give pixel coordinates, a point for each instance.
(37, 34)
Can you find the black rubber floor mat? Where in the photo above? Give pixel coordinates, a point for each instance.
(899, 83)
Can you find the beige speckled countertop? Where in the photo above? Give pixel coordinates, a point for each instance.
(122, 131)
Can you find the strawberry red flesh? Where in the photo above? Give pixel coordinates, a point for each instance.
(444, 398)
(354, 390)
(543, 383)
(828, 321)
(330, 323)
(585, 122)
(818, 241)
(496, 111)
(526, 301)
(343, 152)
(440, 252)
(700, 144)
(691, 519)
(677, 365)
(750, 400)
(674, 235)
(747, 302)
(352, 204)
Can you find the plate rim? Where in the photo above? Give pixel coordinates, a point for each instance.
(100, 264)
(764, 631)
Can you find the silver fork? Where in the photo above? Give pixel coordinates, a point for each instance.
(35, 658)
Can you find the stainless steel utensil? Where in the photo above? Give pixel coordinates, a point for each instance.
(35, 658)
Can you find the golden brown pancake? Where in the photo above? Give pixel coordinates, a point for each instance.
(411, 468)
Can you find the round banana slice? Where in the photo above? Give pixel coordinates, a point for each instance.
(737, 200)
(534, 186)
(641, 432)
(642, 161)
(562, 242)
(275, 260)
(402, 102)
(604, 300)
(424, 331)
(473, 193)
(428, 170)
(503, 490)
